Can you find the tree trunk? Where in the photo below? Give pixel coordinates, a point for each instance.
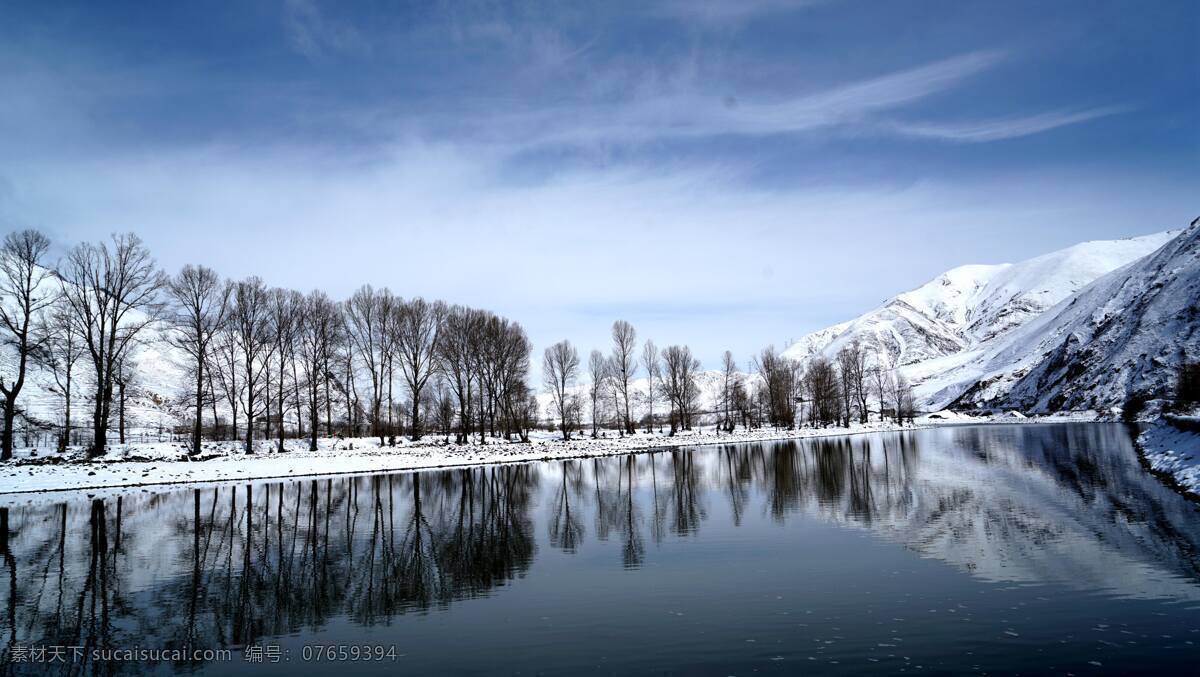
(10, 394)
(267, 405)
(328, 405)
(650, 407)
(10, 415)
(121, 413)
(217, 432)
(98, 425)
(391, 406)
(67, 416)
(234, 421)
(628, 418)
(312, 441)
(249, 420)
(198, 424)
(415, 428)
(299, 404)
(482, 428)
(282, 365)
(464, 416)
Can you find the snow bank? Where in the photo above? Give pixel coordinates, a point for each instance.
(166, 463)
(1174, 451)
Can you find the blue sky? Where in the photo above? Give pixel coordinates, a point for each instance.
(724, 174)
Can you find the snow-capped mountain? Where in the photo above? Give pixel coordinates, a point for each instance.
(1125, 334)
(943, 325)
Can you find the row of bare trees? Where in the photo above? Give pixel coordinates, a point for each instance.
(821, 392)
(671, 375)
(263, 363)
(275, 354)
(260, 363)
(778, 391)
(93, 306)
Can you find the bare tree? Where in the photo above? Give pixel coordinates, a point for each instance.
(24, 294)
(200, 302)
(653, 375)
(852, 364)
(529, 414)
(418, 331)
(598, 371)
(613, 390)
(511, 369)
(249, 323)
(779, 377)
(902, 397)
(456, 359)
(679, 381)
(742, 403)
(845, 386)
(879, 379)
(445, 409)
(728, 379)
(283, 313)
(624, 365)
(62, 350)
(560, 367)
(112, 294)
(574, 420)
(488, 364)
(225, 369)
(317, 330)
(126, 378)
(342, 373)
(367, 321)
(824, 393)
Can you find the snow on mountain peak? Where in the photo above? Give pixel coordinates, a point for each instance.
(935, 326)
(1123, 335)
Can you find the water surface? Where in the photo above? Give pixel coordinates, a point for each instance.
(990, 549)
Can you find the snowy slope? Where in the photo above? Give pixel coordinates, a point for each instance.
(159, 379)
(151, 400)
(1124, 334)
(946, 324)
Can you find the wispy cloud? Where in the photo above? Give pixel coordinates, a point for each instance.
(681, 109)
(602, 162)
(638, 242)
(995, 130)
(313, 34)
(684, 110)
(725, 13)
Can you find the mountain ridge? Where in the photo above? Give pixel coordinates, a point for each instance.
(934, 333)
(1123, 336)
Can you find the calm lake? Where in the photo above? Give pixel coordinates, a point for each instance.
(989, 549)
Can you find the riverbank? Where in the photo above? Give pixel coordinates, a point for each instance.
(162, 463)
(1171, 446)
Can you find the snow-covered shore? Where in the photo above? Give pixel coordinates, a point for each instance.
(38, 472)
(1173, 448)
(168, 463)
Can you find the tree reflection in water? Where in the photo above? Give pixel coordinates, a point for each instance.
(230, 565)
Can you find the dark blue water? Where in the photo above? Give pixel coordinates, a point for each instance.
(995, 550)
